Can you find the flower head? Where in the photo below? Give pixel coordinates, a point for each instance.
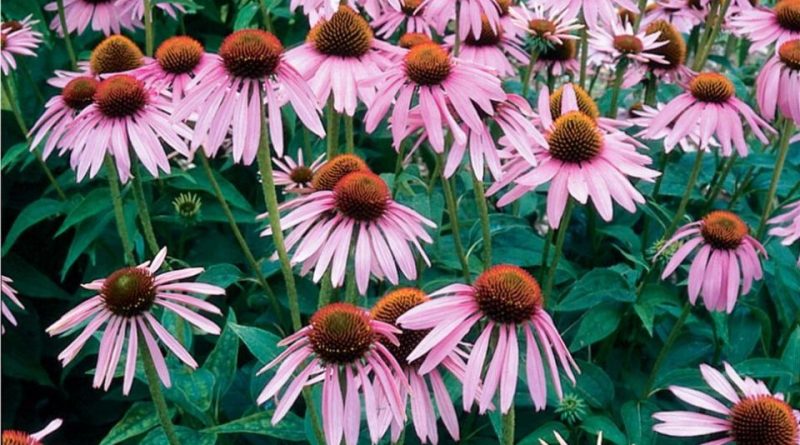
(187, 206)
(764, 26)
(61, 112)
(670, 67)
(618, 41)
(296, 176)
(124, 304)
(682, 14)
(493, 48)
(593, 10)
(546, 26)
(787, 225)
(413, 16)
(16, 437)
(178, 59)
(116, 54)
(17, 38)
(470, 17)
(104, 15)
(780, 74)
(9, 292)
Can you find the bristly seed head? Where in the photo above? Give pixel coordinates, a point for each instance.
(120, 96)
(559, 52)
(10, 26)
(301, 174)
(763, 420)
(787, 12)
(346, 34)
(575, 138)
(129, 292)
(179, 54)
(789, 53)
(674, 52)
(412, 39)
(409, 7)
(505, 6)
(712, 87)
(362, 196)
(389, 308)
(14, 437)
(723, 230)
(251, 53)
(335, 169)
(79, 92)
(341, 333)
(541, 28)
(628, 44)
(428, 64)
(586, 104)
(115, 54)
(507, 294)
(488, 37)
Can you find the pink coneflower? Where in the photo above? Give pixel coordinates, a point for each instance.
(471, 14)
(178, 59)
(546, 25)
(561, 440)
(11, 294)
(764, 26)
(674, 53)
(493, 49)
(125, 115)
(339, 54)
(710, 99)
(358, 207)
(727, 257)
(423, 415)
(749, 413)
(115, 54)
(508, 300)
(103, 15)
(558, 59)
(781, 74)
(341, 348)
(593, 10)
(446, 87)
(682, 14)
(787, 225)
(16, 437)
(17, 38)
(618, 41)
(135, 8)
(226, 94)
(644, 117)
(296, 176)
(60, 114)
(581, 160)
(124, 304)
(413, 17)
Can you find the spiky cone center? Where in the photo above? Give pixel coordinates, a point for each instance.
(362, 196)
(10, 26)
(763, 420)
(787, 12)
(129, 292)
(560, 52)
(507, 294)
(179, 54)
(586, 104)
(346, 34)
(674, 52)
(341, 333)
(120, 96)
(409, 7)
(115, 54)
(389, 308)
(3, 40)
(505, 7)
(79, 92)
(13, 437)
(723, 230)
(301, 174)
(335, 169)
(428, 64)
(541, 27)
(412, 39)
(488, 36)
(575, 138)
(711, 87)
(251, 53)
(626, 15)
(789, 53)
(187, 205)
(628, 44)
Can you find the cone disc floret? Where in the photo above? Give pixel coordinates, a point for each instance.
(586, 104)
(628, 44)
(337, 168)
(341, 333)
(389, 308)
(674, 52)
(79, 92)
(763, 420)
(13, 437)
(129, 292)
(412, 39)
(567, 50)
(428, 64)
(789, 53)
(507, 294)
(711, 87)
(723, 230)
(120, 96)
(787, 12)
(362, 196)
(346, 34)
(179, 55)
(251, 53)
(575, 138)
(115, 54)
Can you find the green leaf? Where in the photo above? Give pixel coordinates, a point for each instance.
(29, 281)
(594, 385)
(223, 358)
(245, 15)
(596, 325)
(96, 202)
(185, 436)
(222, 275)
(602, 424)
(545, 432)
(638, 420)
(140, 418)
(192, 391)
(596, 287)
(289, 428)
(762, 368)
(653, 296)
(262, 344)
(34, 213)
(196, 179)
(84, 236)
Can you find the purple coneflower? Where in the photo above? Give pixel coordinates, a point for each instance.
(471, 15)
(17, 38)
(776, 81)
(16, 437)
(178, 59)
(673, 52)
(103, 15)
(296, 176)
(618, 41)
(60, 115)
(684, 15)
(787, 225)
(593, 10)
(113, 55)
(10, 293)
(413, 16)
(764, 26)
(495, 49)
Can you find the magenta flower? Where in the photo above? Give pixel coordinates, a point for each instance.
(764, 26)
(135, 8)
(339, 54)
(493, 49)
(749, 413)
(618, 41)
(446, 87)
(412, 16)
(779, 75)
(727, 258)
(340, 347)
(550, 25)
(355, 205)
(10, 293)
(16, 437)
(509, 301)
(681, 14)
(672, 68)
(296, 176)
(60, 115)
(644, 117)
(226, 95)
(105, 16)
(471, 16)
(423, 414)
(593, 10)
(17, 38)
(710, 99)
(124, 304)
(178, 60)
(787, 225)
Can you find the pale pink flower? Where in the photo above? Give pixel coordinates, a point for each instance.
(10, 293)
(341, 348)
(316, 10)
(124, 304)
(106, 16)
(558, 59)
(764, 26)
(226, 95)
(546, 25)
(471, 16)
(681, 14)
(726, 261)
(178, 60)
(60, 115)
(710, 99)
(643, 118)
(446, 88)
(618, 41)
(593, 10)
(17, 38)
(787, 225)
(673, 53)
(508, 303)
(413, 17)
(748, 414)
(498, 50)
(777, 82)
(125, 117)
(296, 176)
(116, 54)
(135, 8)
(16, 437)
(338, 55)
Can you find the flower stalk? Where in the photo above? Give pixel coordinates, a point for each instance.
(62, 20)
(698, 163)
(148, 28)
(119, 212)
(783, 151)
(157, 395)
(562, 235)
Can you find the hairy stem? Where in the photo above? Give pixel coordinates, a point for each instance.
(119, 212)
(783, 150)
(698, 163)
(563, 227)
(673, 336)
(452, 210)
(483, 213)
(157, 395)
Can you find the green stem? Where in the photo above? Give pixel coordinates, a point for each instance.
(62, 20)
(265, 17)
(698, 163)
(584, 48)
(325, 290)
(452, 210)
(483, 213)
(563, 228)
(783, 150)
(457, 42)
(148, 28)
(508, 427)
(638, 20)
(651, 88)
(157, 395)
(526, 80)
(708, 44)
(548, 241)
(349, 139)
(716, 188)
(618, 76)
(144, 211)
(332, 130)
(673, 336)
(398, 168)
(119, 212)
